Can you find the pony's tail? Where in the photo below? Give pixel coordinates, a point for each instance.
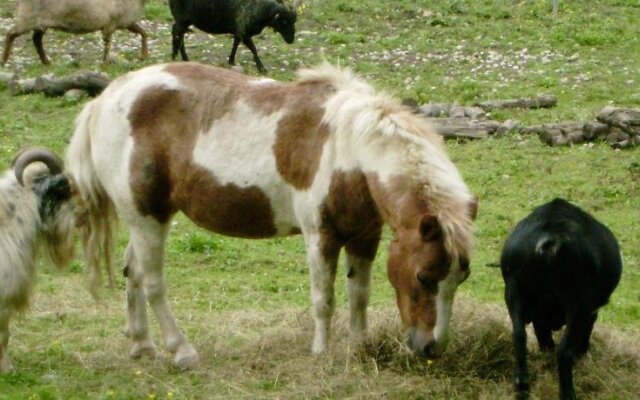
(97, 224)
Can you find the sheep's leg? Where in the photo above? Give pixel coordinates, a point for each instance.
(543, 334)
(37, 42)
(8, 42)
(5, 361)
(358, 285)
(148, 241)
(138, 325)
(323, 258)
(177, 41)
(249, 43)
(106, 39)
(514, 305)
(136, 28)
(234, 49)
(574, 344)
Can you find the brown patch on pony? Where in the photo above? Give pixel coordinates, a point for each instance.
(301, 135)
(164, 179)
(349, 215)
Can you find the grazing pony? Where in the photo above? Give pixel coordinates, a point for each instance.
(560, 265)
(324, 156)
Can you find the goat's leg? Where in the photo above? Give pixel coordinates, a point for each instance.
(37, 42)
(177, 41)
(249, 43)
(323, 258)
(106, 39)
(148, 241)
(359, 260)
(5, 361)
(514, 304)
(138, 325)
(13, 33)
(136, 28)
(234, 49)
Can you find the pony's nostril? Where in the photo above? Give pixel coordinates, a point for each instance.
(429, 350)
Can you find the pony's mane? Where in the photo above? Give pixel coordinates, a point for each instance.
(365, 118)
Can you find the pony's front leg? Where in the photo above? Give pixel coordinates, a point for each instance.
(322, 257)
(360, 255)
(5, 361)
(358, 283)
(138, 325)
(148, 241)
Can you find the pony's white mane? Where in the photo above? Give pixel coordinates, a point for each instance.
(368, 118)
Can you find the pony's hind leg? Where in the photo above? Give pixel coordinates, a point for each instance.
(138, 325)
(5, 361)
(323, 258)
(148, 241)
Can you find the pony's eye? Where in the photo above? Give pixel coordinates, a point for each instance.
(427, 282)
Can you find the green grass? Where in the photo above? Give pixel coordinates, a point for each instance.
(245, 304)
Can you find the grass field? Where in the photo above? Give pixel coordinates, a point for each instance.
(244, 304)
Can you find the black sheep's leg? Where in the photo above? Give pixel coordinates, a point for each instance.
(514, 304)
(177, 41)
(37, 42)
(234, 49)
(543, 334)
(249, 43)
(575, 343)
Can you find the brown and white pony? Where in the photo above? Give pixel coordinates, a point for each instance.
(324, 156)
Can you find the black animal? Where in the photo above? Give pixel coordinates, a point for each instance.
(241, 18)
(560, 265)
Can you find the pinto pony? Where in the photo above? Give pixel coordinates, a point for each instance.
(324, 156)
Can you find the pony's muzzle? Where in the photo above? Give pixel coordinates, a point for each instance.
(424, 345)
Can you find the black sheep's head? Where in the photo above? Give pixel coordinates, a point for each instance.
(284, 22)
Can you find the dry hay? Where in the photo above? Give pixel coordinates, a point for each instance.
(256, 354)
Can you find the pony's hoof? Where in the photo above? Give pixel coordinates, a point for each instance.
(186, 358)
(145, 348)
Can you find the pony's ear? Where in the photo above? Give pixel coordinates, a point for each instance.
(430, 229)
(473, 208)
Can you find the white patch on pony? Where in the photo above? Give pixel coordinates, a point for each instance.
(262, 81)
(238, 149)
(444, 304)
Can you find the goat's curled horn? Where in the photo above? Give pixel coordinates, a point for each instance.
(28, 156)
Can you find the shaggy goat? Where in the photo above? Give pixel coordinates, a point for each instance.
(241, 18)
(75, 16)
(560, 265)
(38, 211)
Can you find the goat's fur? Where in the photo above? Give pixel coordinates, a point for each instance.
(36, 219)
(75, 16)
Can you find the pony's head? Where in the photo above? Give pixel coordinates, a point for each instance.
(425, 272)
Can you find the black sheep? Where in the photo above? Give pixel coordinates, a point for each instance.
(560, 265)
(241, 18)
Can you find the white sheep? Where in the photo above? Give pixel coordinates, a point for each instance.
(75, 16)
(39, 208)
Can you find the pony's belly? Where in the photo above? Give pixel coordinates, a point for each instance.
(233, 210)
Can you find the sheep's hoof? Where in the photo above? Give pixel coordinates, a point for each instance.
(186, 357)
(143, 348)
